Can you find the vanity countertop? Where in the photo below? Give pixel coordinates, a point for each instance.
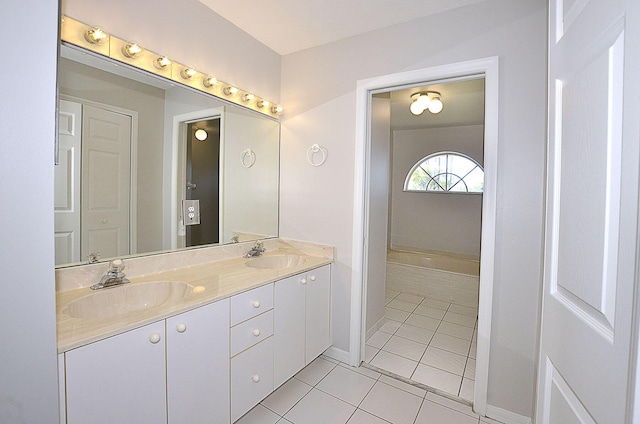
(210, 282)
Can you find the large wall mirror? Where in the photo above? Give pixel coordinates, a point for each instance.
(133, 146)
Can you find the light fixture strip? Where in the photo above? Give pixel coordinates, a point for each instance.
(77, 34)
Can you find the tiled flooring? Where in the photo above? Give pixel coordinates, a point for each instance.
(427, 341)
(329, 392)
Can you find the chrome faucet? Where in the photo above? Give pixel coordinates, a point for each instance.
(113, 277)
(256, 250)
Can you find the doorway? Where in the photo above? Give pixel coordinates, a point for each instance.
(365, 252)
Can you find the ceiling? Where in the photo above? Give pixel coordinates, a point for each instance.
(288, 26)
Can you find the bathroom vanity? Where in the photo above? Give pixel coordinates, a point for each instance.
(224, 332)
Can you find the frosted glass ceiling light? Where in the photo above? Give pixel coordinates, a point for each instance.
(131, 50)
(425, 100)
(416, 108)
(436, 106)
(201, 134)
(162, 62)
(95, 36)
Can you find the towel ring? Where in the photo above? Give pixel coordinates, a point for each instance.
(248, 158)
(313, 150)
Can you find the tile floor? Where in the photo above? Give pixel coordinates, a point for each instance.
(427, 341)
(329, 392)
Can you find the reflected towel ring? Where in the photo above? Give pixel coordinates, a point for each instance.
(251, 155)
(313, 150)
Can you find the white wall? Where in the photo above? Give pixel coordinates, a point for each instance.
(318, 91)
(446, 222)
(28, 364)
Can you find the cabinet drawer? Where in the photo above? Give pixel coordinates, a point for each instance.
(250, 332)
(251, 377)
(249, 304)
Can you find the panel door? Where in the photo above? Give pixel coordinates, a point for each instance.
(592, 212)
(118, 380)
(198, 365)
(251, 377)
(106, 182)
(318, 322)
(67, 184)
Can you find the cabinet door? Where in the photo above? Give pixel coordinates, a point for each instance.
(251, 377)
(118, 380)
(289, 327)
(198, 365)
(318, 301)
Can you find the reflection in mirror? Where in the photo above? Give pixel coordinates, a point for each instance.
(134, 146)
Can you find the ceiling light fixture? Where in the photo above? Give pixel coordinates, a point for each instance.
(426, 100)
(201, 134)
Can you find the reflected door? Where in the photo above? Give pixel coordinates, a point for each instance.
(203, 180)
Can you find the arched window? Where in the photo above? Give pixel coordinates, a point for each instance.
(446, 171)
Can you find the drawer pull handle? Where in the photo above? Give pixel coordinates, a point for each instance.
(181, 328)
(256, 304)
(256, 332)
(303, 281)
(154, 338)
(256, 378)
(312, 278)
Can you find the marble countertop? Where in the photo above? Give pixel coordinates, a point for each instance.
(211, 282)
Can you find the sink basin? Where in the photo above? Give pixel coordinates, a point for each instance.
(132, 297)
(276, 262)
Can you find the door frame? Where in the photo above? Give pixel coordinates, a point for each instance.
(487, 68)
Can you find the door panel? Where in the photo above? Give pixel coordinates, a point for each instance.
(592, 198)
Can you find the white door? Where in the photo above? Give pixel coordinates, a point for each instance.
(592, 212)
(67, 184)
(106, 182)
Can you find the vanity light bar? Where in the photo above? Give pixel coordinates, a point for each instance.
(98, 41)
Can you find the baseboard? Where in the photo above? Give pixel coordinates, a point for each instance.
(507, 417)
(338, 354)
(372, 330)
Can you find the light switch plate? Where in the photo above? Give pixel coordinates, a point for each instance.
(191, 212)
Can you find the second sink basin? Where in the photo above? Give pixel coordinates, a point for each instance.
(132, 297)
(276, 262)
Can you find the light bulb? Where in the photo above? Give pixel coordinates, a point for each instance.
(262, 103)
(248, 97)
(276, 109)
(95, 36)
(229, 90)
(209, 81)
(423, 100)
(162, 62)
(187, 73)
(436, 105)
(131, 50)
(415, 108)
(201, 134)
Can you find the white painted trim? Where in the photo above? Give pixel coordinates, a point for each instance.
(505, 416)
(488, 68)
(178, 144)
(338, 354)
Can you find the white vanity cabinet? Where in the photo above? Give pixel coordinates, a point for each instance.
(302, 328)
(153, 375)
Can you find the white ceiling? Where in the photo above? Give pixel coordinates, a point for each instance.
(287, 26)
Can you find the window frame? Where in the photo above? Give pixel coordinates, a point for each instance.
(413, 169)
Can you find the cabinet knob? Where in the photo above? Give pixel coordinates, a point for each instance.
(154, 338)
(256, 378)
(312, 278)
(256, 304)
(303, 281)
(256, 332)
(181, 328)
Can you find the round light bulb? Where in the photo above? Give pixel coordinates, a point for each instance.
(423, 100)
(187, 73)
(248, 97)
(209, 81)
(132, 50)
(436, 105)
(162, 62)
(415, 108)
(262, 103)
(95, 36)
(229, 90)
(201, 134)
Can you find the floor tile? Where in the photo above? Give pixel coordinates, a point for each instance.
(460, 319)
(259, 415)
(286, 396)
(437, 378)
(320, 408)
(429, 311)
(402, 305)
(436, 304)
(327, 358)
(284, 421)
(414, 333)
(391, 293)
(423, 322)
(315, 371)
(444, 360)
(393, 363)
(456, 330)
(403, 386)
(369, 353)
(450, 343)
(392, 404)
(464, 310)
(363, 417)
(390, 326)
(406, 348)
(411, 298)
(470, 369)
(396, 314)
(467, 389)
(364, 371)
(431, 412)
(451, 404)
(346, 385)
(378, 339)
